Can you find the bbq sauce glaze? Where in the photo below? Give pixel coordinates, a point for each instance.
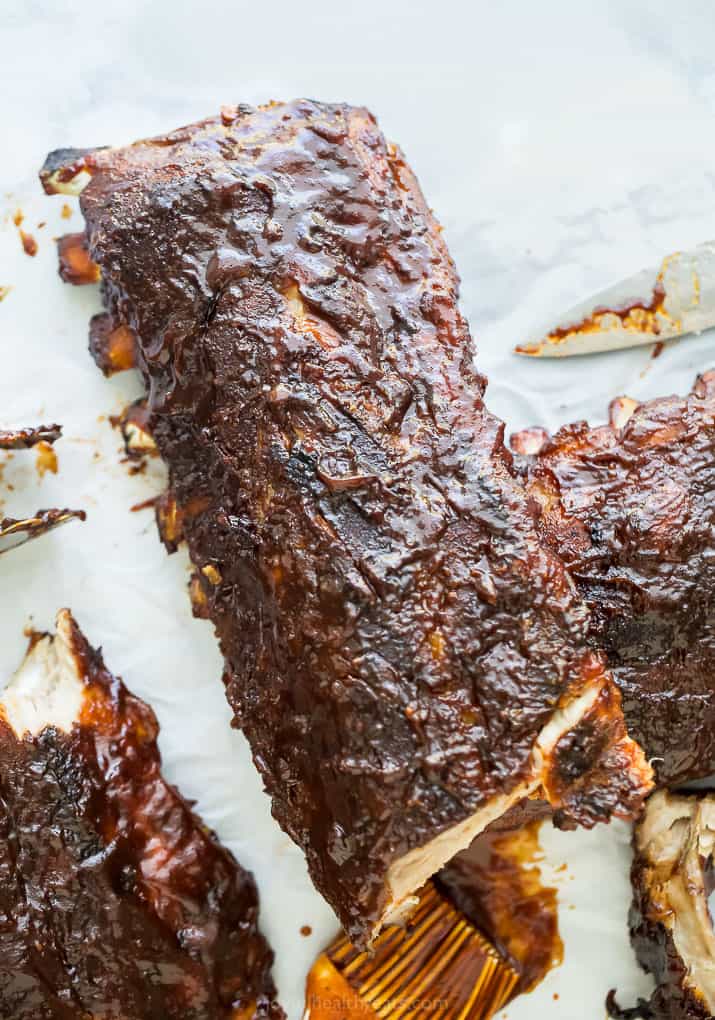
(395, 633)
(631, 508)
(115, 900)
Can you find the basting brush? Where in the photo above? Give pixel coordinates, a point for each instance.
(437, 966)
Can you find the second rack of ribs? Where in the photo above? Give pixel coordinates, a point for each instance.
(629, 506)
(404, 655)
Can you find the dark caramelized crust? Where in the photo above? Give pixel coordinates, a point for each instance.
(395, 634)
(630, 506)
(115, 900)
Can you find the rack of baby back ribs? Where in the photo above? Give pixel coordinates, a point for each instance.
(422, 632)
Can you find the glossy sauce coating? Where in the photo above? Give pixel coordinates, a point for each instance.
(115, 901)
(631, 508)
(395, 633)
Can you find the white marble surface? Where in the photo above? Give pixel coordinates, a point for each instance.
(562, 144)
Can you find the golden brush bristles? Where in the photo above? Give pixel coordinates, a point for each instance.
(437, 966)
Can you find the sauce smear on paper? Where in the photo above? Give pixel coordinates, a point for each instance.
(497, 884)
(46, 459)
(29, 244)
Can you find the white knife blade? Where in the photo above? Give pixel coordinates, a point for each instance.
(654, 305)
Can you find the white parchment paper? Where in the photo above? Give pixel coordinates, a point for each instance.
(562, 144)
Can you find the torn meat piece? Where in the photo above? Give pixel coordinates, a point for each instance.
(115, 900)
(670, 920)
(133, 423)
(630, 507)
(113, 347)
(25, 438)
(404, 656)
